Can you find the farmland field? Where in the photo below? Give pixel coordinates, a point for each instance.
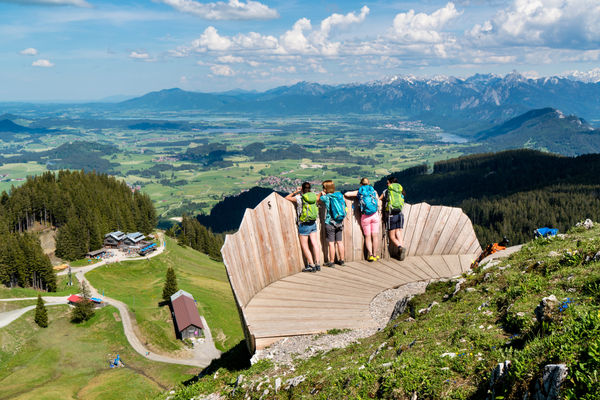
(195, 162)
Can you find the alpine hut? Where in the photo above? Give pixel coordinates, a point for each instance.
(185, 315)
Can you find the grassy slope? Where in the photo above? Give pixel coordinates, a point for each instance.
(62, 289)
(489, 323)
(68, 361)
(140, 284)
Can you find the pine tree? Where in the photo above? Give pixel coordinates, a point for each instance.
(84, 308)
(41, 315)
(170, 284)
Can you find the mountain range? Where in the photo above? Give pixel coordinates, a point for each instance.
(464, 106)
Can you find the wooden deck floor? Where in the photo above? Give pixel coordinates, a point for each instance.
(307, 303)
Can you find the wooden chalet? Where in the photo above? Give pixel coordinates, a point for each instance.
(95, 253)
(134, 239)
(185, 315)
(114, 239)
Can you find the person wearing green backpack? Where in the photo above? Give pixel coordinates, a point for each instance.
(335, 212)
(307, 214)
(393, 199)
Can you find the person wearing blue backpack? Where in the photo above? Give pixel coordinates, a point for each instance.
(370, 220)
(335, 212)
(305, 201)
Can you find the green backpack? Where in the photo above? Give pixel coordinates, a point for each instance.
(395, 198)
(310, 212)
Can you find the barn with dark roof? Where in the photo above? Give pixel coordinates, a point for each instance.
(185, 315)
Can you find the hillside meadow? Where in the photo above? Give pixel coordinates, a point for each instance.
(139, 284)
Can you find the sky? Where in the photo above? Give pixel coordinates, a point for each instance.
(94, 49)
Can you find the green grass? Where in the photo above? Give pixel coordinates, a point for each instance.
(62, 289)
(139, 284)
(68, 361)
(14, 305)
(491, 322)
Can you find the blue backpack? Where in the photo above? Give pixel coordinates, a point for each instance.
(337, 207)
(368, 200)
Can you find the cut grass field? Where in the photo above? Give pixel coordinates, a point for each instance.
(139, 284)
(69, 361)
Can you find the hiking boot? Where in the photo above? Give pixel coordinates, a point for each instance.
(401, 253)
(317, 268)
(329, 264)
(371, 258)
(340, 262)
(309, 268)
(377, 258)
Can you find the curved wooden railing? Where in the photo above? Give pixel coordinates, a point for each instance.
(266, 248)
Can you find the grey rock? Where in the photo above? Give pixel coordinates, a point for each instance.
(497, 375)
(470, 290)
(458, 284)
(239, 380)
(426, 310)
(597, 256)
(553, 378)
(554, 254)
(277, 384)
(372, 356)
(587, 224)
(386, 365)
(400, 307)
(543, 310)
(414, 396)
(290, 383)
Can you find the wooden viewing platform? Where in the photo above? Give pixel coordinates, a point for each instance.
(275, 299)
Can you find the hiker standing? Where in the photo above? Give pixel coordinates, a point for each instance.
(393, 198)
(335, 212)
(369, 219)
(307, 213)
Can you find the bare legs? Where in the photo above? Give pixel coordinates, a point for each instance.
(372, 243)
(396, 237)
(306, 248)
(340, 251)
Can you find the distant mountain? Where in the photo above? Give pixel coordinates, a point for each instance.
(177, 99)
(545, 129)
(461, 105)
(8, 130)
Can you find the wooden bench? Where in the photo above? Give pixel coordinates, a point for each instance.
(275, 300)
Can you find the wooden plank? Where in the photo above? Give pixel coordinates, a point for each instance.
(289, 229)
(453, 262)
(440, 266)
(428, 229)
(386, 266)
(327, 280)
(454, 236)
(409, 225)
(402, 269)
(307, 313)
(333, 301)
(464, 235)
(408, 265)
(375, 271)
(368, 272)
(277, 328)
(449, 226)
(308, 289)
(418, 230)
(423, 266)
(347, 232)
(438, 228)
(358, 239)
(406, 210)
(247, 230)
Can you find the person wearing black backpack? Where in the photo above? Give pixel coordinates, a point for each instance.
(393, 200)
(335, 212)
(307, 214)
(370, 220)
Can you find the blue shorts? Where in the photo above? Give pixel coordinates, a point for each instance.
(306, 228)
(396, 221)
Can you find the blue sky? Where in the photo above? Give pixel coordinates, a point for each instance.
(91, 49)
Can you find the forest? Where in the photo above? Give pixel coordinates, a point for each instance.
(192, 233)
(510, 193)
(83, 206)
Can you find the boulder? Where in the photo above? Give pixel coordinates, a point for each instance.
(544, 311)
(400, 307)
(553, 378)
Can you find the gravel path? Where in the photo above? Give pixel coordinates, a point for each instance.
(306, 346)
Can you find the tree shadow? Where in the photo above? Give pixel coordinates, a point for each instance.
(235, 359)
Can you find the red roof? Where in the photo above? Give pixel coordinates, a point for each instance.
(186, 313)
(74, 298)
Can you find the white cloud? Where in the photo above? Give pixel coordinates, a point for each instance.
(30, 51)
(220, 10)
(139, 55)
(255, 41)
(423, 28)
(230, 59)
(222, 70)
(76, 3)
(42, 63)
(553, 23)
(294, 40)
(211, 40)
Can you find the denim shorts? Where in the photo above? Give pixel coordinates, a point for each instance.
(306, 228)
